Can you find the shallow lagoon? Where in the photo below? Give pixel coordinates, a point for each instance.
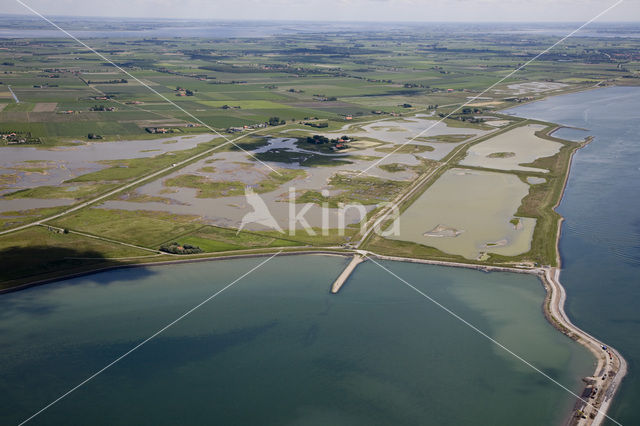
(520, 145)
(475, 205)
(277, 348)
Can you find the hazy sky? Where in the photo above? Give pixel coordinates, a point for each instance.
(343, 10)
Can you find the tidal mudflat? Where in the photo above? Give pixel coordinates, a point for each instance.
(469, 212)
(509, 150)
(237, 170)
(65, 162)
(376, 354)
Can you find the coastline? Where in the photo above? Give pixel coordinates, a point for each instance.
(37, 283)
(556, 315)
(613, 366)
(609, 371)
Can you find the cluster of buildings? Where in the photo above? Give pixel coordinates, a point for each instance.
(14, 138)
(162, 130)
(247, 127)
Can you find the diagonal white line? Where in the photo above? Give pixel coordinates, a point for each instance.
(493, 85)
(35, 12)
(124, 355)
(494, 341)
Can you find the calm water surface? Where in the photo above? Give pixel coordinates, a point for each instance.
(278, 349)
(600, 244)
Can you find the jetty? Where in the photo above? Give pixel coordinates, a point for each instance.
(339, 282)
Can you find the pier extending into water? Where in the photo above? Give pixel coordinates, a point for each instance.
(339, 282)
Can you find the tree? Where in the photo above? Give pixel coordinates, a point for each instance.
(274, 121)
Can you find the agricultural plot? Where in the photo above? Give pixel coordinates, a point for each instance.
(98, 129)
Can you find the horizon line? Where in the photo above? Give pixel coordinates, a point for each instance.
(294, 20)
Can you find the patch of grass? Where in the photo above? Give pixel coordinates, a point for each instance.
(76, 192)
(138, 197)
(207, 169)
(393, 167)
(8, 178)
(216, 239)
(501, 155)
(363, 190)
(302, 237)
(37, 253)
(444, 138)
(208, 188)
(145, 228)
(275, 179)
(406, 149)
(15, 218)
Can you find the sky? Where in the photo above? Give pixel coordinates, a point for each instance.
(341, 10)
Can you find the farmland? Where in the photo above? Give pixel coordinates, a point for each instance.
(253, 102)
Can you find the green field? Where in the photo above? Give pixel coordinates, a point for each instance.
(343, 80)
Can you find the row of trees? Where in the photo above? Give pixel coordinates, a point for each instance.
(175, 248)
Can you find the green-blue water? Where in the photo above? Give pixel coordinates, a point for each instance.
(600, 244)
(278, 349)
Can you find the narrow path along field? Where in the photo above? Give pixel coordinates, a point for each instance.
(109, 240)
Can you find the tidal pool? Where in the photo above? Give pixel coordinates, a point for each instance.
(510, 149)
(469, 212)
(534, 180)
(278, 349)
